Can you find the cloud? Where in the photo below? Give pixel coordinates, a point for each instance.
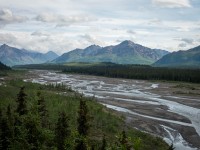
(131, 32)
(187, 40)
(92, 21)
(40, 33)
(57, 42)
(182, 45)
(7, 17)
(7, 38)
(92, 39)
(172, 3)
(62, 20)
(155, 21)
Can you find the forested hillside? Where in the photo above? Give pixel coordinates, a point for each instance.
(34, 116)
(3, 67)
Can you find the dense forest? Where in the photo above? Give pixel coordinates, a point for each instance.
(34, 117)
(3, 67)
(139, 72)
(143, 72)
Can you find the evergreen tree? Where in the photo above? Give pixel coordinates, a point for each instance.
(20, 111)
(103, 147)
(42, 110)
(62, 131)
(6, 134)
(93, 147)
(8, 112)
(83, 125)
(123, 141)
(6, 129)
(27, 132)
(21, 100)
(10, 119)
(10, 116)
(34, 132)
(123, 138)
(81, 143)
(1, 116)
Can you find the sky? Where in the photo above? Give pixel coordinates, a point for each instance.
(63, 25)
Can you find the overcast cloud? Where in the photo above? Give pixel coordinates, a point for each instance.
(7, 17)
(172, 3)
(64, 25)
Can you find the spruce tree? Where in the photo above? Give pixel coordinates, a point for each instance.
(83, 125)
(10, 119)
(1, 116)
(8, 112)
(42, 110)
(6, 129)
(123, 140)
(62, 131)
(103, 147)
(10, 116)
(6, 134)
(81, 144)
(20, 111)
(34, 136)
(21, 100)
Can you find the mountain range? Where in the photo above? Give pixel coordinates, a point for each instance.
(189, 58)
(127, 52)
(13, 56)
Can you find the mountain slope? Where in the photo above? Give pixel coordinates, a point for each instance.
(13, 56)
(126, 52)
(189, 58)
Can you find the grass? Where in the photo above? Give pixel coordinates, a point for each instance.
(102, 120)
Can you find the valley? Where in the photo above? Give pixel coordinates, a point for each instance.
(100, 75)
(168, 109)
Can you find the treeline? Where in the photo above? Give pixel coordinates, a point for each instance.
(24, 128)
(41, 66)
(143, 72)
(139, 72)
(3, 67)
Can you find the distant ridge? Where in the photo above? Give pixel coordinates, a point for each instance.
(13, 56)
(127, 52)
(189, 58)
